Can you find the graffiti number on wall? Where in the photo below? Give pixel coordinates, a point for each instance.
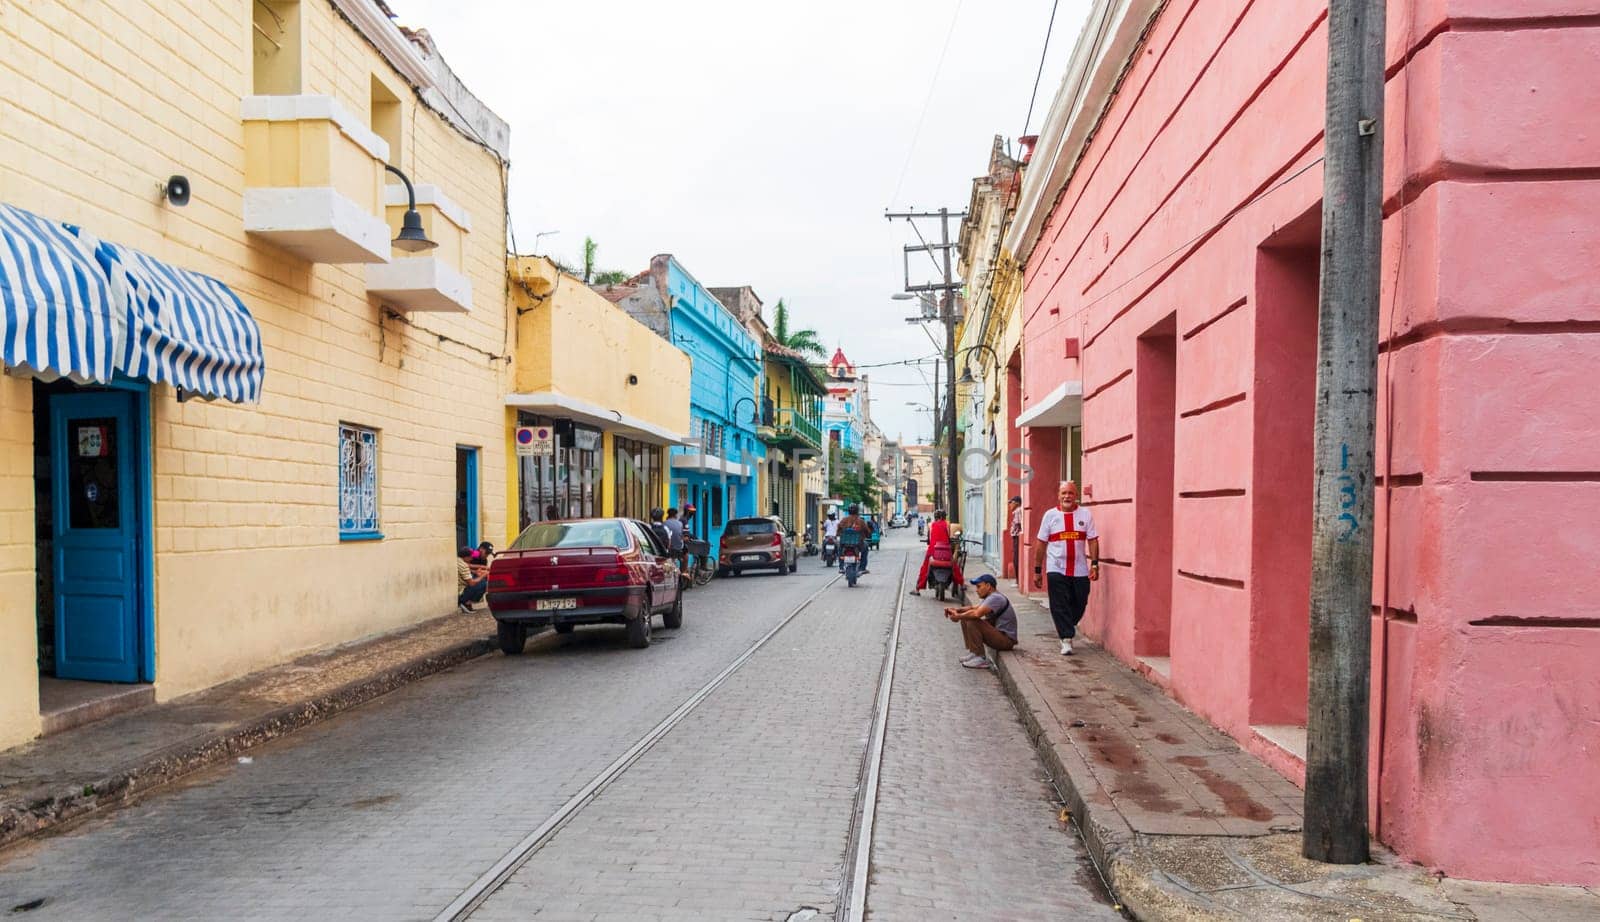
(1347, 493)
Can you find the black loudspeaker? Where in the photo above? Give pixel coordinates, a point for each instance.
(565, 430)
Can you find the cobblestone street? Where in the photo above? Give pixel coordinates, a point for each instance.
(743, 810)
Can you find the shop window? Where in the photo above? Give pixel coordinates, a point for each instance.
(358, 483)
(386, 119)
(276, 41)
(639, 473)
(565, 485)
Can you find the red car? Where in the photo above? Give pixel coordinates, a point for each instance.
(587, 571)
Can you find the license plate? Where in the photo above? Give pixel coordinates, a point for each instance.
(554, 604)
(752, 558)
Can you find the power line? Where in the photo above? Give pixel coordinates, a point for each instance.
(1043, 52)
(923, 116)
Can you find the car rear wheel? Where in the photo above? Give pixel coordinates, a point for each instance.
(512, 637)
(565, 628)
(673, 618)
(639, 628)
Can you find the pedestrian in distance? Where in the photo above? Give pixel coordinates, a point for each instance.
(674, 529)
(1016, 537)
(551, 513)
(472, 579)
(1066, 559)
(658, 528)
(991, 623)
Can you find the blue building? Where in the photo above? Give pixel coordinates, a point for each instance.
(719, 470)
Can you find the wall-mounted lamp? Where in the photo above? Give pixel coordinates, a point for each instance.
(755, 410)
(176, 190)
(412, 239)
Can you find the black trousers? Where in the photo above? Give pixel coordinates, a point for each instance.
(1069, 596)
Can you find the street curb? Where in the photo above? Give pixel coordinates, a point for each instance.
(22, 821)
(1107, 834)
(1113, 846)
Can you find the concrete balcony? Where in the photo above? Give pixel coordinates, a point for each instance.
(314, 179)
(431, 281)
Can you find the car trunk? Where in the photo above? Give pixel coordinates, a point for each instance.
(736, 543)
(522, 575)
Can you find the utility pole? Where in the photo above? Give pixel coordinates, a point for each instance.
(948, 314)
(947, 469)
(1338, 704)
(938, 461)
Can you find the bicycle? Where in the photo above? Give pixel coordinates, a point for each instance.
(961, 563)
(701, 565)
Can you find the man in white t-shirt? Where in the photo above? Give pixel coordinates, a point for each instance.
(1066, 558)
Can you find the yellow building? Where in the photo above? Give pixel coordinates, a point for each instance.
(989, 357)
(613, 394)
(791, 428)
(164, 541)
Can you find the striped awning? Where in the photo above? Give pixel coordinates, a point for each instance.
(89, 309)
(184, 328)
(59, 314)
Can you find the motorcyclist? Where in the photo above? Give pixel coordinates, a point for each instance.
(830, 531)
(864, 530)
(938, 534)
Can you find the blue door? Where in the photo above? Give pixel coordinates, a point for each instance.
(466, 497)
(95, 450)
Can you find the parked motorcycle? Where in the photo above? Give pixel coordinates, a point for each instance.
(830, 550)
(941, 571)
(811, 549)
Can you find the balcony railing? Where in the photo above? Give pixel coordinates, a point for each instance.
(787, 427)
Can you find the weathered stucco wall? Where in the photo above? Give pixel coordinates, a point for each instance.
(99, 110)
(1484, 634)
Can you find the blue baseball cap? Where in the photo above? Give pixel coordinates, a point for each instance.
(985, 578)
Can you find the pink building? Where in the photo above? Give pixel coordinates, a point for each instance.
(1169, 232)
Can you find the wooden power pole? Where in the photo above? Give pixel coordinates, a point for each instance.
(1347, 379)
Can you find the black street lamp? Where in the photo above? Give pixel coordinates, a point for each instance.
(412, 239)
(755, 410)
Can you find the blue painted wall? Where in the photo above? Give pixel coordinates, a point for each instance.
(727, 366)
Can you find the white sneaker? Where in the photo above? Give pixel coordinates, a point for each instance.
(1066, 647)
(466, 607)
(976, 662)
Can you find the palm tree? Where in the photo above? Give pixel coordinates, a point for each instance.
(804, 342)
(591, 275)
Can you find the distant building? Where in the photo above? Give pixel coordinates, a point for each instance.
(719, 470)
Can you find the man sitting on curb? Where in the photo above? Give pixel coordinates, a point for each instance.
(472, 579)
(992, 622)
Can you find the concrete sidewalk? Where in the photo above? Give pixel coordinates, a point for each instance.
(1186, 825)
(57, 778)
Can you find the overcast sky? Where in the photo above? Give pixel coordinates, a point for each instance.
(758, 142)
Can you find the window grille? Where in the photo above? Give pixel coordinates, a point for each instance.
(358, 482)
